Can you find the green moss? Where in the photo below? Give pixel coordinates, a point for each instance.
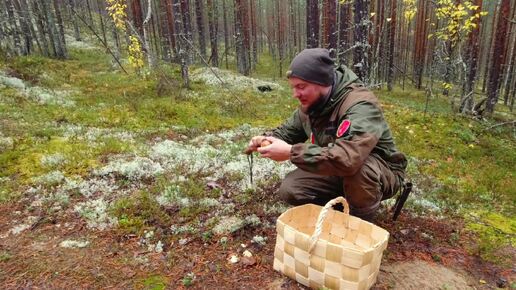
(79, 156)
(5, 256)
(494, 233)
(155, 282)
(138, 212)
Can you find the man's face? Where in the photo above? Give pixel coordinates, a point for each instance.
(307, 93)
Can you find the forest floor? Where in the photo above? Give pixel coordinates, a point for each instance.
(110, 180)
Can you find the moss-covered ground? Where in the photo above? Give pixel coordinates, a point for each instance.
(158, 167)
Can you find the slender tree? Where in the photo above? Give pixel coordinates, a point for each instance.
(392, 40)
(15, 32)
(242, 37)
(171, 26)
(471, 57)
(330, 25)
(312, 23)
(498, 56)
(76, 29)
(361, 32)
(421, 37)
(187, 28)
(226, 32)
(344, 27)
(213, 23)
(61, 32)
(199, 17)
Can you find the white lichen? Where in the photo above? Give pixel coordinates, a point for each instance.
(228, 225)
(52, 178)
(12, 82)
(134, 169)
(231, 79)
(74, 244)
(171, 196)
(95, 213)
(53, 160)
(259, 240)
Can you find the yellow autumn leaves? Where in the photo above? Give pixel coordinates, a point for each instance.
(135, 53)
(459, 18)
(117, 10)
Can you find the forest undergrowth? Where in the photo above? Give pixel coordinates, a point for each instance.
(89, 155)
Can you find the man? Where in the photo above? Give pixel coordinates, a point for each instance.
(351, 151)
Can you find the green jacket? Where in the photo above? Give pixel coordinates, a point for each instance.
(363, 131)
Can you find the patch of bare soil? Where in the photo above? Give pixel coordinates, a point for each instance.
(423, 275)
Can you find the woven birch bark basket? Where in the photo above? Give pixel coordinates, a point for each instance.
(319, 247)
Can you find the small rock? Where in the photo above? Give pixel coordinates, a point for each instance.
(405, 231)
(234, 259)
(248, 261)
(426, 236)
(502, 283)
(247, 254)
(183, 242)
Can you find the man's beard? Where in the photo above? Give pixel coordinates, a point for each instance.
(317, 105)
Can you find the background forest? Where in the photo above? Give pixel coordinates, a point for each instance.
(122, 124)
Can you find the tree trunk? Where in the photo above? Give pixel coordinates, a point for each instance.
(330, 26)
(76, 30)
(136, 9)
(187, 29)
(361, 52)
(242, 37)
(472, 63)
(18, 48)
(200, 26)
(498, 56)
(420, 43)
(254, 32)
(40, 22)
(25, 27)
(150, 57)
(29, 15)
(52, 31)
(101, 19)
(312, 23)
(344, 42)
(90, 15)
(280, 24)
(392, 40)
(61, 32)
(378, 42)
(181, 42)
(489, 48)
(510, 58)
(213, 23)
(171, 27)
(226, 32)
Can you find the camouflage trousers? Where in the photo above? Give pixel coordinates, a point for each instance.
(364, 191)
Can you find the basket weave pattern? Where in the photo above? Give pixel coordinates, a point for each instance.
(346, 255)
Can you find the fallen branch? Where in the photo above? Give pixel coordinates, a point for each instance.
(500, 124)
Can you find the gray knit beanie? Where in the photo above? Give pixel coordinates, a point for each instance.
(313, 65)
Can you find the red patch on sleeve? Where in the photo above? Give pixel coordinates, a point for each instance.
(343, 128)
(312, 138)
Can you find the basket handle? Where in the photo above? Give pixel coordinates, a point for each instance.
(322, 216)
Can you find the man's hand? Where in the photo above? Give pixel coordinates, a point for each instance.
(255, 142)
(278, 150)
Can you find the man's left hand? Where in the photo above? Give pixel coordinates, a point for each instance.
(278, 150)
